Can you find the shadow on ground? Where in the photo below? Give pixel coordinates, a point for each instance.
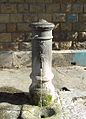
(13, 96)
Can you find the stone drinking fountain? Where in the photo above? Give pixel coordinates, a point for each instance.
(42, 92)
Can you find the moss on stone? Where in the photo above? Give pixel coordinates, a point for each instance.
(46, 100)
(40, 97)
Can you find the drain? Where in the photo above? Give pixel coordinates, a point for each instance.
(48, 112)
(42, 116)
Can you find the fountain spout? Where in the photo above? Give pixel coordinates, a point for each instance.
(42, 91)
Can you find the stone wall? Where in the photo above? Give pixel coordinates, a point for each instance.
(69, 16)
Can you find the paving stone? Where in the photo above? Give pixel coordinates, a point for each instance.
(8, 111)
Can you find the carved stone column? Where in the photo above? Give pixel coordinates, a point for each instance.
(42, 91)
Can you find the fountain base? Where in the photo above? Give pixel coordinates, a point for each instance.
(52, 111)
(42, 94)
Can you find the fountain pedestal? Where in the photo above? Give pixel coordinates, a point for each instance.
(42, 91)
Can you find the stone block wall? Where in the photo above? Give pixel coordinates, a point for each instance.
(69, 16)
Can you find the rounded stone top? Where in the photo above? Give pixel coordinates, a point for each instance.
(42, 24)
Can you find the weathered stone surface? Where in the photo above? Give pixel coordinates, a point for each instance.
(66, 7)
(56, 29)
(14, 18)
(4, 18)
(66, 26)
(79, 27)
(38, 1)
(23, 12)
(82, 36)
(22, 59)
(35, 1)
(18, 37)
(52, 8)
(5, 37)
(48, 1)
(11, 27)
(37, 8)
(16, 1)
(25, 46)
(81, 1)
(2, 27)
(8, 46)
(72, 17)
(77, 8)
(66, 36)
(69, 1)
(8, 8)
(73, 104)
(68, 76)
(61, 59)
(65, 45)
(41, 63)
(82, 18)
(6, 59)
(30, 17)
(52, 111)
(23, 27)
(81, 45)
(46, 16)
(15, 59)
(85, 8)
(72, 97)
(8, 111)
(3, 1)
(56, 1)
(23, 8)
(59, 17)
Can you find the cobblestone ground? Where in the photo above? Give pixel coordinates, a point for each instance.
(70, 83)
